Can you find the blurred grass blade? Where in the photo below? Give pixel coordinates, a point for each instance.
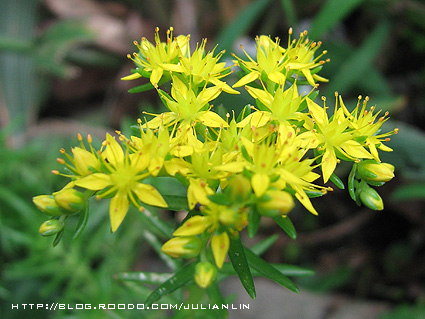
(332, 12)
(409, 192)
(156, 245)
(241, 23)
(240, 265)
(356, 66)
(178, 280)
(289, 10)
(157, 224)
(269, 271)
(295, 271)
(262, 246)
(287, 226)
(143, 277)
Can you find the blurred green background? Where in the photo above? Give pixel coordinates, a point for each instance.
(60, 67)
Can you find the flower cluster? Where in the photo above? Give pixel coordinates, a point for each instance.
(236, 169)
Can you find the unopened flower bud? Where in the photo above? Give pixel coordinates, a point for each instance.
(240, 188)
(182, 247)
(371, 198)
(228, 217)
(50, 227)
(205, 274)
(280, 203)
(371, 170)
(84, 161)
(47, 204)
(70, 200)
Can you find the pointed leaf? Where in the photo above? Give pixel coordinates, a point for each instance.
(337, 181)
(269, 271)
(178, 280)
(287, 226)
(254, 219)
(82, 222)
(351, 177)
(141, 88)
(240, 265)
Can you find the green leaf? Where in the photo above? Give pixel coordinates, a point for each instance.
(265, 244)
(82, 222)
(216, 298)
(333, 11)
(220, 198)
(241, 23)
(176, 203)
(58, 238)
(144, 277)
(287, 226)
(337, 181)
(141, 88)
(254, 219)
(269, 271)
(351, 177)
(178, 280)
(240, 265)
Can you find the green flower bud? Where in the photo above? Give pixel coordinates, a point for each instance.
(371, 170)
(70, 200)
(370, 198)
(182, 247)
(205, 274)
(47, 204)
(50, 227)
(280, 203)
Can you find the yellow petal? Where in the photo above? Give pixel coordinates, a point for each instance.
(156, 75)
(308, 76)
(260, 183)
(118, 208)
(328, 163)
(113, 151)
(131, 77)
(198, 192)
(212, 119)
(149, 195)
(305, 201)
(94, 182)
(252, 76)
(220, 247)
(193, 226)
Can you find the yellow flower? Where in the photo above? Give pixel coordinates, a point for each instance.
(365, 127)
(152, 57)
(278, 63)
(187, 106)
(202, 68)
(333, 138)
(123, 179)
(283, 106)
